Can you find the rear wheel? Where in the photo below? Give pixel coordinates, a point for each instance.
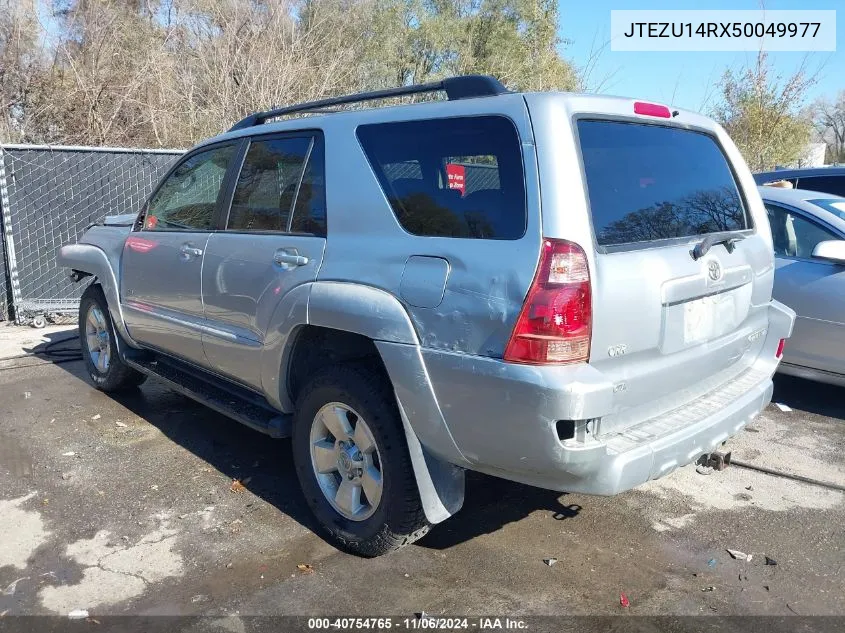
(97, 338)
(352, 461)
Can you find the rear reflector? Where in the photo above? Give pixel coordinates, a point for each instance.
(781, 345)
(555, 324)
(652, 109)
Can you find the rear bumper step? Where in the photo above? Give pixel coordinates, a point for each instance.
(707, 405)
(239, 407)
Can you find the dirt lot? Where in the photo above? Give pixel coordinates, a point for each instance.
(123, 506)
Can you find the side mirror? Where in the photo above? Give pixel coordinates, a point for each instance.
(831, 250)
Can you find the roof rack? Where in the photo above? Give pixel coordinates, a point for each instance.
(464, 87)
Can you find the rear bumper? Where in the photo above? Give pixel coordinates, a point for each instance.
(603, 469)
(503, 419)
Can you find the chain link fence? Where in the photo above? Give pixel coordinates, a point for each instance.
(49, 195)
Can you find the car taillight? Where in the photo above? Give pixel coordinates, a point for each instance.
(555, 323)
(781, 345)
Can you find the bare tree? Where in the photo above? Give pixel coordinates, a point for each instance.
(170, 72)
(22, 67)
(829, 122)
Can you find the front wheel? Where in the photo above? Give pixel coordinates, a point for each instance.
(97, 338)
(352, 461)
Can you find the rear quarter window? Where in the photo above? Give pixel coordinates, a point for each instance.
(648, 183)
(456, 177)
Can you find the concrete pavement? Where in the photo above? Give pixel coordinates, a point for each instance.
(123, 506)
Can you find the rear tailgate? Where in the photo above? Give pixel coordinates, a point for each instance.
(667, 327)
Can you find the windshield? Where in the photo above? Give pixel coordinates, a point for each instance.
(651, 182)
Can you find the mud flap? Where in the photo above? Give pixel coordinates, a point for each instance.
(441, 484)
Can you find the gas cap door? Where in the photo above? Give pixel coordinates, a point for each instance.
(424, 281)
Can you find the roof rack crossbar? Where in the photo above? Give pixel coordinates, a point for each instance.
(464, 87)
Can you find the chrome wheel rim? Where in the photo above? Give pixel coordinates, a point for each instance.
(346, 461)
(97, 339)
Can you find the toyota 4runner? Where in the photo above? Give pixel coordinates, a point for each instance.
(570, 291)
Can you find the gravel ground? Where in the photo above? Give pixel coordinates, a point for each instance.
(123, 506)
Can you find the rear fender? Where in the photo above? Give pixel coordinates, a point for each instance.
(379, 316)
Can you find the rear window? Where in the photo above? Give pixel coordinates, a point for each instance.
(457, 177)
(648, 183)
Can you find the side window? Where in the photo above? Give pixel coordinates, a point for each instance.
(309, 212)
(267, 184)
(794, 235)
(825, 184)
(457, 177)
(187, 200)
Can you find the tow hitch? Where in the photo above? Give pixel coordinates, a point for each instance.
(716, 460)
(719, 460)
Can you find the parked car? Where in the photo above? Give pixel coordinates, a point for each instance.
(569, 291)
(825, 179)
(808, 233)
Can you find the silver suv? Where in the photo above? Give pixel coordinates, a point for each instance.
(570, 291)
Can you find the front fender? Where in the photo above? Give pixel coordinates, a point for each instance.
(93, 260)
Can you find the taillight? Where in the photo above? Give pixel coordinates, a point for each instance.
(781, 345)
(555, 323)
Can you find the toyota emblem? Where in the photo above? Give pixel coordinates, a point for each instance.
(714, 270)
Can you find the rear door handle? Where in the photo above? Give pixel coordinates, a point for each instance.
(189, 251)
(289, 258)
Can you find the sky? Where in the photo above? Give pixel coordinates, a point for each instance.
(684, 79)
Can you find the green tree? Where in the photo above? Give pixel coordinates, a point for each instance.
(760, 109)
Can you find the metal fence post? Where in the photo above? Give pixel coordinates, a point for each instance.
(10, 262)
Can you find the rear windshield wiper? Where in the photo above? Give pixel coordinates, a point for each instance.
(729, 239)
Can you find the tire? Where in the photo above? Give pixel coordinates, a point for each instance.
(397, 518)
(107, 371)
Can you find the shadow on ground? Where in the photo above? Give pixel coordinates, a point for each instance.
(239, 453)
(492, 503)
(813, 397)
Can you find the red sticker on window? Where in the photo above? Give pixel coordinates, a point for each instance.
(457, 177)
(152, 221)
